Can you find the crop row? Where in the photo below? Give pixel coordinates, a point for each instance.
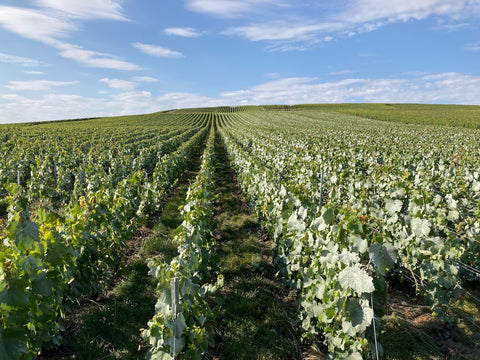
(48, 259)
(188, 331)
(60, 165)
(349, 202)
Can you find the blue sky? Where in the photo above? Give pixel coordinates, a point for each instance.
(64, 59)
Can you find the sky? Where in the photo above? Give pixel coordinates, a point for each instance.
(65, 59)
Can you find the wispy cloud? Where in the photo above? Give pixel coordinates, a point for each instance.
(12, 59)
(157, 50)
(342, 72)
(272, 75)
(93, 58)
(473, 47)
(283, 31)
(289, 35)
(91, 9)
(119, 84)
(359, 16)
(147, 79)
(229, 8)
(183, 32)
(451, 25)
(363, 11)
(33, 72)
(37, 85)
(35, 24)
(52, 29)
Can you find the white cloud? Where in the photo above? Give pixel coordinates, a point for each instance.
(473, 47)
(362, 11)
(342, 72)
(37, 85)
(228, 8)
(33, 72)
(181, 100)
(119, 84)
(439, 88)
(282, 31)
(49, 107)
(359, 16)
(34, 24)
(12, 59)
(450, 26)
(184, 32)
(272, 75)
(49, 29)
(156, 50)
(90, 9)
(93, 58)
(144, 79)
(456, 88)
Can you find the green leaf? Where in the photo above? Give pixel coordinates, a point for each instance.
(453, 215)
(360, 313)
(360, 245)
(164, 300)
(383, 256)
(476, 186)
(30, 263)
(179, 325)
(17, 294)
(42, 285)
(393, 206)
(176, 344)
(160, 355)
(328, 216)
(320, 291)
(27, 235)
(295, 225)
(13, 344)
(354, 355)
(420, 227)
(355, 278)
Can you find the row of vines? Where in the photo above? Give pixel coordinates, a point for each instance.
(189, 331)
(74, 196)
(351, 202)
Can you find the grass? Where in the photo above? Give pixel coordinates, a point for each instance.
(255, 313)
(401, 340)
(111, 330)
(253, 322)
(409, 331)
(159, 244)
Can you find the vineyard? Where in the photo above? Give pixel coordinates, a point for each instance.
(353, 205)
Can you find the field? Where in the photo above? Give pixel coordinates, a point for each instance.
(345, 231)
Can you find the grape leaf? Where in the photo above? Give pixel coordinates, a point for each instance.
(393, 206)
(383, 256)
(13, 344)
(357, 279)
(26, 235)
(360, 314)
(421, 227)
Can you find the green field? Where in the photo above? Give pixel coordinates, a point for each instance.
(294, 232)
